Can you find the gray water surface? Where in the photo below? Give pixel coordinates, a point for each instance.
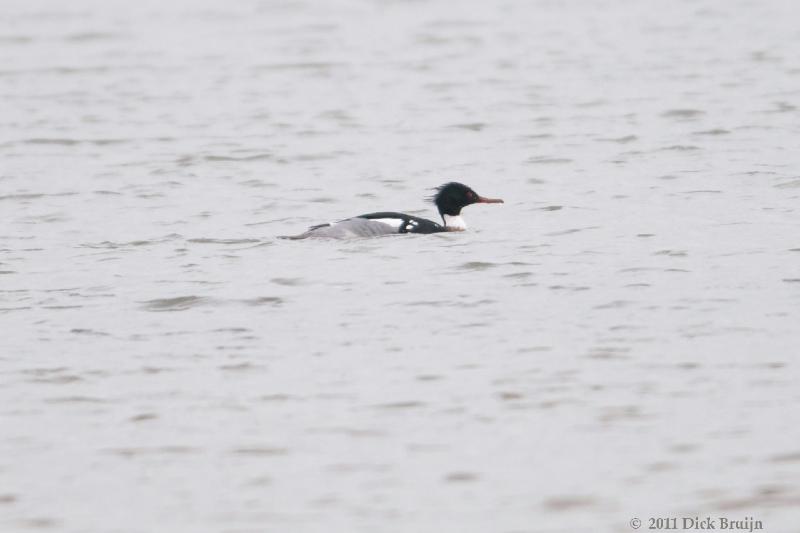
(618, 340)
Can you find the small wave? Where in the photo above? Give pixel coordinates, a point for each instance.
(460, 477)
(549, 161)
(15, 39)
(289, 282)
(203, 240)
(791, 457)
(153, 450)
(86, 331)
(793, 184)
(75, 399)
(263, 300)
(477, 265)
(308, 66)
(715, 131)
(89, 36)
(568, 503)
(682, 113)
(73, 142)
(400, 405)
(255, 157)
(620, 140)
(518, 275)
(34, 196)
(109, 245)
(568, 231)
(260, 450)
(472, 126)
(681, 148)
(180, 303)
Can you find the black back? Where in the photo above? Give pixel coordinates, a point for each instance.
(408, 223)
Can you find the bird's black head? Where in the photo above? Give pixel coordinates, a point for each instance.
(451, 197)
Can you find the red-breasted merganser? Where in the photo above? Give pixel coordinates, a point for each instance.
(450, 198)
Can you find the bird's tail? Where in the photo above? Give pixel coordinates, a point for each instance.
(303, 235)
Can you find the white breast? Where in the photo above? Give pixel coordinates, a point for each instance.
(454, 223)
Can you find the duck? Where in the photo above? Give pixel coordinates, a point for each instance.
(449, 199)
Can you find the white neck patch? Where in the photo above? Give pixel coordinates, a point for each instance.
(454, 223)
